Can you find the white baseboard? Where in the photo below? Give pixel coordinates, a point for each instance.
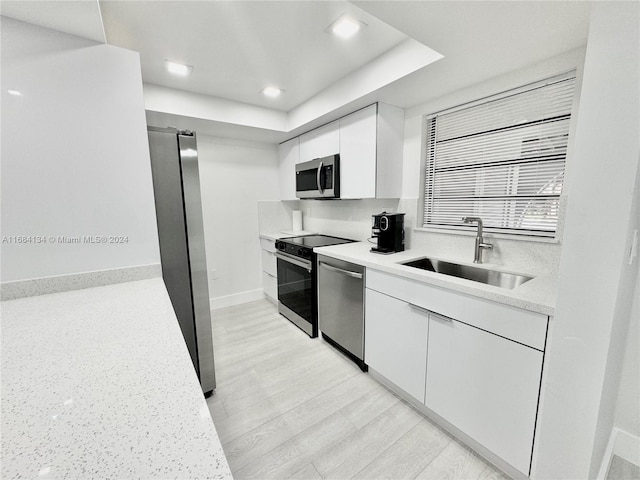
(622, 444)
(236, 299)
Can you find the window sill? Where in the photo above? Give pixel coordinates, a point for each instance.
(489, 235)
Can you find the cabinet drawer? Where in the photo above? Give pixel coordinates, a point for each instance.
(270, 285)
(528, 328)
(268, 245)
(486, 386)
(269, 264)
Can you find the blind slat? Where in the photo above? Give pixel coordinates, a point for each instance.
(502, 160)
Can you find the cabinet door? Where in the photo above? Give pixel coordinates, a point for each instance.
(396, 341)
(289, 155)
(358, 154)
(321, 142)
(486, 386)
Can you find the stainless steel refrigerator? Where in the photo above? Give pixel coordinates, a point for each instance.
(176, 186)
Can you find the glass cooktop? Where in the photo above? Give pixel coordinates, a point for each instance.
(312, 241)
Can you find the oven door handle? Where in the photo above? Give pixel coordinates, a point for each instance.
(296, 261)
(348, 273)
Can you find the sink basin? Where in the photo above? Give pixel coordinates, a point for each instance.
(477, 274)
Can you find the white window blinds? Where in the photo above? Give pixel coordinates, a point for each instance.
(502, 160)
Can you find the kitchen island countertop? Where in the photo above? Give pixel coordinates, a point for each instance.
(536, 295)
(98, 383)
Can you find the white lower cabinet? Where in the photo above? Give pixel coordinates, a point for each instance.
(270, 285)
(486, 386)
(396, 342)
(269, 269)
(469, 363)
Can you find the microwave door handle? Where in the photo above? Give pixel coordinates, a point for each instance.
(318, 175)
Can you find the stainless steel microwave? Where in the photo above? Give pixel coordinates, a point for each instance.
(319, 178)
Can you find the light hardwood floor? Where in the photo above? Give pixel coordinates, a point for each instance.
(287, 406)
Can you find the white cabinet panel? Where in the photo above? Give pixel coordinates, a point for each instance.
(289, 155)
(396, 342)
(486, 386)
(270, 285)
(526, 327)
(358, 154)
(389, 149)
(321, 142)
(268, 245)
(269, 269)
(269, 264)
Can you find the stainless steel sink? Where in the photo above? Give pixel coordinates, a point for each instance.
(477, 274)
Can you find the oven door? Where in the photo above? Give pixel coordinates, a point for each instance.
(295, 292)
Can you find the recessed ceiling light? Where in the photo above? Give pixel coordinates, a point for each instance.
(346, 27)
(272, 92)
(14, 92)
(178, 68)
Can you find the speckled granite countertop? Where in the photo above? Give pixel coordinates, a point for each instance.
(537, 295)
(97, 383)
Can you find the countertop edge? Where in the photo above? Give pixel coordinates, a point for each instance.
(33, 287)
(284, 234)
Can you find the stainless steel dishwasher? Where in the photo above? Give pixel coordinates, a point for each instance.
(341, 306)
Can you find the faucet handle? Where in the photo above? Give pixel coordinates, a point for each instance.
(471, 220)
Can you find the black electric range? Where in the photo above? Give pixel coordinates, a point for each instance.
(297, 279)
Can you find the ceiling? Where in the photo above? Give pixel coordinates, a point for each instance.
(239, 47)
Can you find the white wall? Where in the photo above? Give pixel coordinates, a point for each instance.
(627, 415)
(596, 284)
(234, 175)
(75, 157)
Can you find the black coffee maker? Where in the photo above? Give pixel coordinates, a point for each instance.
(388, 228)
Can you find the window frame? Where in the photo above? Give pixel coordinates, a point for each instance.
(531, 235)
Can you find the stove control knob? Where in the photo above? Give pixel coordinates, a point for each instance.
(301, 252)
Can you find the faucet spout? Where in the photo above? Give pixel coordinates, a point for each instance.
(480, 244)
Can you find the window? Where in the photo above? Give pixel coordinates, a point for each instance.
(501, 159)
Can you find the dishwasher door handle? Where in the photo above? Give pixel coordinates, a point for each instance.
(349, 273)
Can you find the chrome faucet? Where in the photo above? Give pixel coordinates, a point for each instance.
(477, 255)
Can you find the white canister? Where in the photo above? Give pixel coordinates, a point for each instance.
(296, 220)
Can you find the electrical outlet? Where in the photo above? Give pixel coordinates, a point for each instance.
(213, 274)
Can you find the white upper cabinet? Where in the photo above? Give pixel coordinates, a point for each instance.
(358, 154)
(371, 152)
(289, 155)
(321, 142)
(370, 143)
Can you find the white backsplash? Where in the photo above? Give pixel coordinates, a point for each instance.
(352, 219)
(275, 215)
(344, 218)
